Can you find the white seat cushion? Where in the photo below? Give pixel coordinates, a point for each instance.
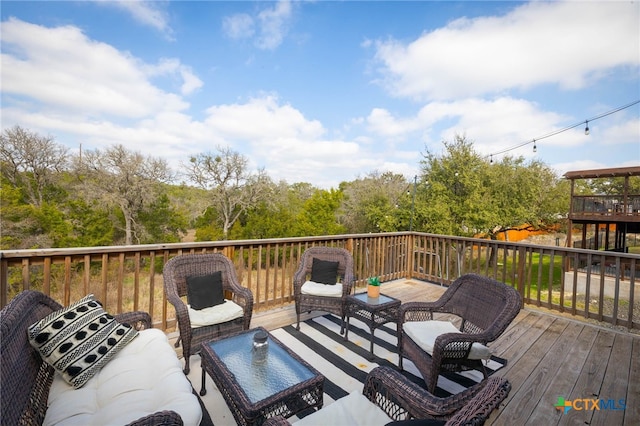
(319, 289)
(352, 410)
(424, 333)
(143, 378)
(227, 311)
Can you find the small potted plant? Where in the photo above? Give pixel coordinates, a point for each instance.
(373, 287)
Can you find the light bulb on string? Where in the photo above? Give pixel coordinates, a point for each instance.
(491, 160)
(586, 129)
(535, 148)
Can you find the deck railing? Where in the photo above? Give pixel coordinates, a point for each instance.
(592, 284)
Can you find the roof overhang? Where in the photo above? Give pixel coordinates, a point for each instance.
(600, 173)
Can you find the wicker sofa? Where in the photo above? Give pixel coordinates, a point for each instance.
(30, 388)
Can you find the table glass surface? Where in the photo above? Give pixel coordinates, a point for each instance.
(279, 372)
(373, 300)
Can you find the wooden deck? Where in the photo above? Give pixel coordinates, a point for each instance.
(549, 356)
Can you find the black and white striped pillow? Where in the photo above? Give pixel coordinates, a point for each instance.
(79, 340)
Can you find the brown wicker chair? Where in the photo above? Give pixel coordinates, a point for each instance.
(175, 274)
(485, 306)
(307, 302)
(402, 399)
(26, 379)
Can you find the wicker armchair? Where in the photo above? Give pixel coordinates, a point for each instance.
(485, 307)
(308, 302)
(26, 379)
(402, 399)
(175, 274)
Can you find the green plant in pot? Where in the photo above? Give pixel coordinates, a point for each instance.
(373, 287)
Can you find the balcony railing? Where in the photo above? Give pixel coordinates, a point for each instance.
(592, 284)
(605, 208)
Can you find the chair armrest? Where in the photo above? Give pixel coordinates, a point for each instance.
(458, 345)
(244, 293)
(402, 399)
(299, 278)
(478, 410)
(164, 418)
(138, 319)
(416, 311)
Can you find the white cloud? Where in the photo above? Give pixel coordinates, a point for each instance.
(564, 43)
(172, 66)
(238, 26)
(269, 121)
(61, 69)
(273, 25)
(146, 13)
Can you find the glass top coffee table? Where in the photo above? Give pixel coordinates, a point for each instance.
(255, 389)
(373, 311)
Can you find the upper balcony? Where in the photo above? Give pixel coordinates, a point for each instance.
(623, 207)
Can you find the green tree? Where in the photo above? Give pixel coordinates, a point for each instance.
(379, 202)
(30, 162)
(161, 222)
(461, 193)
(452, 191)
(127, 180)
(232, 187)
(319, 214)
(274, 217)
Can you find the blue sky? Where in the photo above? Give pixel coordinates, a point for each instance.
(327, 91)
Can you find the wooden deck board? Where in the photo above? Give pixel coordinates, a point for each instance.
(589, 382)
(615, 383)
(632, 411)
(534, 405)
(549, 356)
(565, 379)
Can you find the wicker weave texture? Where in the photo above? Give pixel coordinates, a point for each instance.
(175, 274)
(25, 378)
(335, 305)
(402, 399)
(485, 306)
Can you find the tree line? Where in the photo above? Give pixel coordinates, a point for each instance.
(113, 196)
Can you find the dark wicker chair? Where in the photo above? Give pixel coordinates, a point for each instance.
(485, 307)
(402, 399)
(307, 302)
(25, 379)
(175, 274)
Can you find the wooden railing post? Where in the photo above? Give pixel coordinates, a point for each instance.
(410, 241)
(522, 261)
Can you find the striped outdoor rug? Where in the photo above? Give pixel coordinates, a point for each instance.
(345, 364)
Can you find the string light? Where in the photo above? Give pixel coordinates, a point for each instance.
(557, 132)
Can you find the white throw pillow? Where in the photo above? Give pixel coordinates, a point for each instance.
(227, 311)
(318, 289)
(424, 333)
(352, 410)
